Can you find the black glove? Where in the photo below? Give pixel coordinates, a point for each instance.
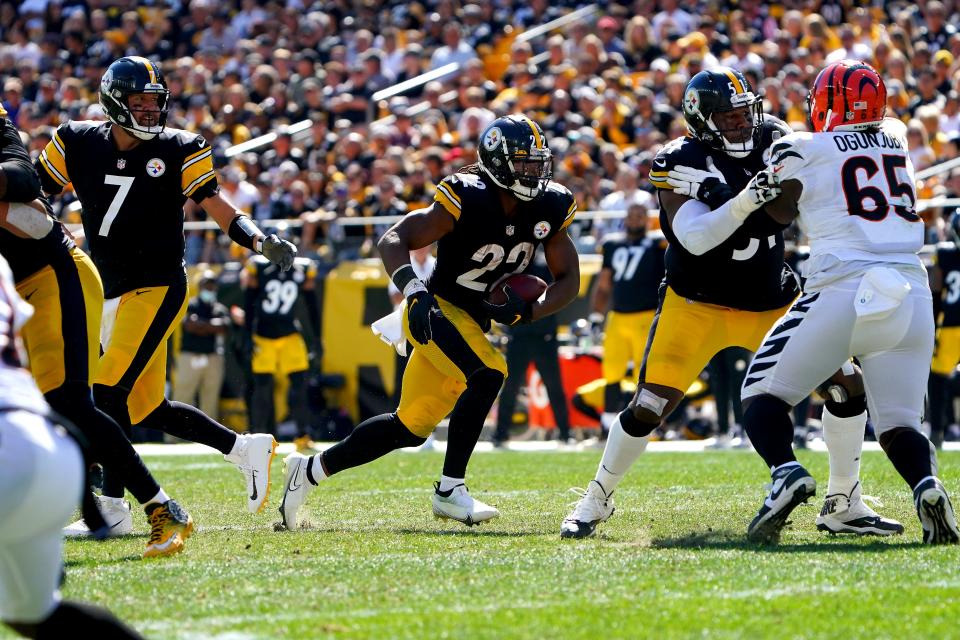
(515, 310)
(279, 252)
(714, 193)
(421, 306)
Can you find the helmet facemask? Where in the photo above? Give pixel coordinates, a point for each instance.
(141, 119)
(738, 141)
(530, 172)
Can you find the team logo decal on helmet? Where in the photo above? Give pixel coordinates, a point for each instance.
(691, 101)
(492, 138)
(514, 155)
(723, 90)
(156, 167)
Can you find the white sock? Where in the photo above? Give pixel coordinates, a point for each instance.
(621, 451)
(606, 420)
(315, 469)
(235, 450)
(160, 498)
(447, 483)
(844, 440)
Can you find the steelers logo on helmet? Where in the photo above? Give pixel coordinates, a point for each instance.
(156, 167)
(723, 112)
(691, 101)
(541, 229)
(514, 154)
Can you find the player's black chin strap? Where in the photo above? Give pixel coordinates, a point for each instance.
(245, 233)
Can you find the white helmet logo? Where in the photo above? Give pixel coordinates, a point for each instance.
(492, 138)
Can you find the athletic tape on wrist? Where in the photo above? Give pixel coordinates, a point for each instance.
(414, 286)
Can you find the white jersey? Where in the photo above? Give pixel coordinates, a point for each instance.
(858, 202)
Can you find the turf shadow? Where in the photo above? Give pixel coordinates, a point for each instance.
(736, 540)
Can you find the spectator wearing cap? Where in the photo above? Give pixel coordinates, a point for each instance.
(942, 65)
(411, 67)
(454, 50)
(200, 368)
(12, 97)
(679, 21)
(609, 30)
(283, 150)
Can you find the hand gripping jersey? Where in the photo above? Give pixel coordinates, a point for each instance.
(858, 198)
(746, 271)
(132, 200)
(948, 259)
(277, 295)
(638, 267)
(485, 244)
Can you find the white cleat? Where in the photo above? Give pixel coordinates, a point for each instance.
(295, 489)
(253, 459)
(849, 514)
(116, 513)
(593, 507)
(936, 512)
(459, 505)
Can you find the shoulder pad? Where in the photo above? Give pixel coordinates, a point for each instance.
(789, 154)
(454, 188)
(685, 151)
(179, 137)
(561, 202)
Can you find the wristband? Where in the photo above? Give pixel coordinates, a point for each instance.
(414, 286)
(245, 233)
(403, 275)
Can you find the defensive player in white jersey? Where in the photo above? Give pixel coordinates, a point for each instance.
(850, 184)
(41, 478)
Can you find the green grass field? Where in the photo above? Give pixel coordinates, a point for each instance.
(671, 563)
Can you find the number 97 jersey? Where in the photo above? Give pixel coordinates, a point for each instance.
(858, 196)
(485, 243)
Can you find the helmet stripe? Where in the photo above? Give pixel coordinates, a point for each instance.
(148, 65)
(738, 86)
(537, 138)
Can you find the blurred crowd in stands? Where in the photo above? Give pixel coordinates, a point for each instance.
(606, 88)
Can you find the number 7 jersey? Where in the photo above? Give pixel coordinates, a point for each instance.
(485, 243)
(132, 200)
(858, 197)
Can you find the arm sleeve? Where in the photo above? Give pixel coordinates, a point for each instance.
(51, 165)
(699, 229)
(198, 179)
(23, 183)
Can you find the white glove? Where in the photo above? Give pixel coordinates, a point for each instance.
(762, 188)
(687, 181)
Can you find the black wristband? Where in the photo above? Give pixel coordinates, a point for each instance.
(403, 275)
(244, 231)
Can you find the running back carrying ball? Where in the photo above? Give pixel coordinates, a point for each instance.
(528, 287)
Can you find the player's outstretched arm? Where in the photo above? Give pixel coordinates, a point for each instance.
(564, 265)
(245, 232)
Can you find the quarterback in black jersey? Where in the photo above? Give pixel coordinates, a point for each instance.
(625, 298)
(132, 177)
(726, 284)
(488, 221)
(62, 340)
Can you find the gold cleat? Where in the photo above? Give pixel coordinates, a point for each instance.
(306, 445)
(170, 526)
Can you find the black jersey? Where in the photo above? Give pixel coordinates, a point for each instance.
(948, 259)
(486, 244)
(276, 294)
(637, 265)
(747, 270)
(132, 200)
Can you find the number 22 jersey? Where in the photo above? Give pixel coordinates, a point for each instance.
(132, 201)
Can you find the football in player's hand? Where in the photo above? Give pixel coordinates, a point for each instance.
(528, 287)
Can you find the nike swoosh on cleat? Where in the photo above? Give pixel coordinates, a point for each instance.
(253, 496)
(140, 292)
(293, 478)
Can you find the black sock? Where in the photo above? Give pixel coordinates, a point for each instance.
(262, 410)
(939, 398)
(634, 427)
(372, 439)
(466, 421)
(71, 616)
(767, 422)
(189, 423)
(113, 402)
(910, 452)
(109, 445)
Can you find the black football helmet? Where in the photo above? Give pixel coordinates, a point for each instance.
(718, 90)
(514, 154)
(128, 76)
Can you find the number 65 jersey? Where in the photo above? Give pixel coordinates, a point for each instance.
(132, 200)
(858, 198)
(485, 243)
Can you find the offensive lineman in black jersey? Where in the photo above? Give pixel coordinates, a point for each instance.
(726, 285)
(487, 220)
(946, 354)
(275, 339)
(62, 342)
(132, 177)
(626, 295)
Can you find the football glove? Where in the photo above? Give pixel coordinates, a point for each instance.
(709, 187)
(421, 308)
(279, 252)
(515, 310)
(762, 188)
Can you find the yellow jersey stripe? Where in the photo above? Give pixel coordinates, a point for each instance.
(199, 182)
(659, 174)
(190, 174)
(56, 158)
(450, 191)
(194, 155)
(738, 86)
(58, 143)
(447, 204)
(537, 138)
(442, 188)
(572, 209)
(196, 159)
(53, 173)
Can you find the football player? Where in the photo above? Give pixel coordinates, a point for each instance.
(488, 220)
(41, 480)
(851, 185)
(274, 338)
(946, 354)
(726, 284)
(132, 176)
(627, 286)
(62, 341)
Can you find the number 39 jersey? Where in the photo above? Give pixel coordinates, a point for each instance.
(132, 200)
(277, 294)
(485, 243)
(637, 268)
(948, 259)
(858, 197)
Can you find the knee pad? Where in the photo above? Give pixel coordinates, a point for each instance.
(486, 380)
(848, 408)
(637, 426)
